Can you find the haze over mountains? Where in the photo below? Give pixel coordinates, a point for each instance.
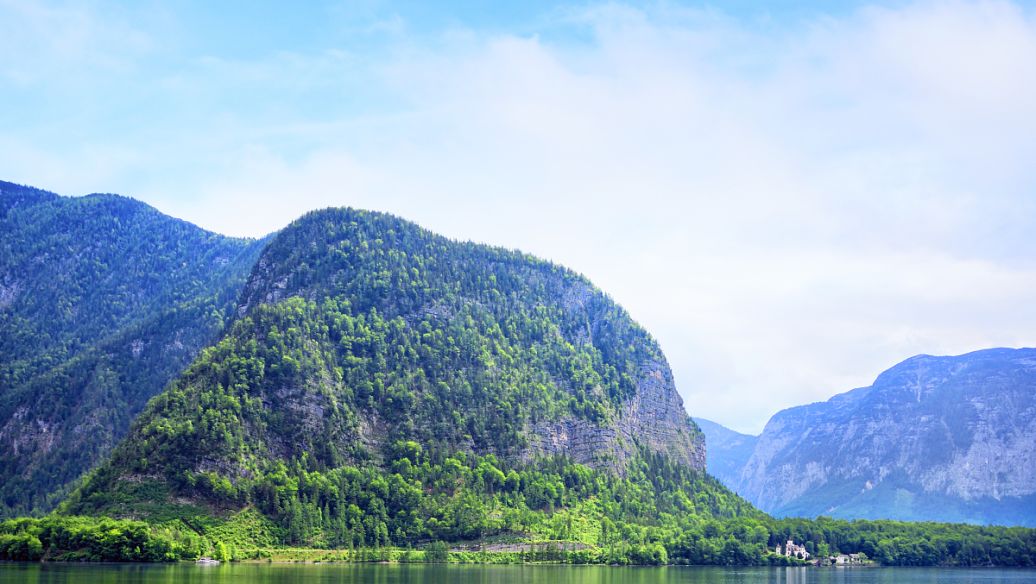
(934, 438)
(726, 451)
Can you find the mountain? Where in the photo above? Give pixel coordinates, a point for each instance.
(726, 451)
(385, 384)
(103, 300)
(934, 438)
(366, 387)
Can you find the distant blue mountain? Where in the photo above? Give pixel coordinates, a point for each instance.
(726, 451)
(934, 438)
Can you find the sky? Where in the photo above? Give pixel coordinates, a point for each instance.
(791, 196)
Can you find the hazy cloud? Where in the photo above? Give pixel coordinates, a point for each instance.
(789, 208)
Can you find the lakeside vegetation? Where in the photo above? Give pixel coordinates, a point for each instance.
(719, 543)
(471, 509)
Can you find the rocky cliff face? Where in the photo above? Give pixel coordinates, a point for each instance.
(938, 438)
(654, 418)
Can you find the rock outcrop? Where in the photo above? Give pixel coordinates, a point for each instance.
(654, 418)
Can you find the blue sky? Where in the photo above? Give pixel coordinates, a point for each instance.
(791, 196)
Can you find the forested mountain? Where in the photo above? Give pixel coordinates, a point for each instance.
(934, 438)
(386, 385)
(103, 300)
(726, 451)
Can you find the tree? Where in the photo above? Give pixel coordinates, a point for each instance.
(221, 552)
(437, 552)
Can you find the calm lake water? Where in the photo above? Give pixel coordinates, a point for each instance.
(407, 574)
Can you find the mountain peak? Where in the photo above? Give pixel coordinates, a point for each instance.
(358, 330)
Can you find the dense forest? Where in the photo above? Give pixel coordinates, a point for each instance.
(555, 511)
(103, 300)
(378, 392)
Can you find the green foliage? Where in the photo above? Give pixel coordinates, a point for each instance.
(85, 539)
(465, 497)
(24, 547)
(436, 552)
(222, 552)
(680, 540)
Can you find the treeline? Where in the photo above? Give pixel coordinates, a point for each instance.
(900, 543)
(425, 496)
(657, 513)
(86, 539)
(889, 543)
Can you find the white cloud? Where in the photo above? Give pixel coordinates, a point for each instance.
(789, 209)
(40, 43)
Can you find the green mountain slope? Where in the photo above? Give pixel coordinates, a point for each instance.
(103, 300)
(387, 385)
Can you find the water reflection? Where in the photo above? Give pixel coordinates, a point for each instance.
(440, 574)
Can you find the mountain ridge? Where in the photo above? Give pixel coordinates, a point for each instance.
(278, 275)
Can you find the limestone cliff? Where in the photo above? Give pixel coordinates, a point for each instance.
(654, 418)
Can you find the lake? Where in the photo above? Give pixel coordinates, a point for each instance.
(453, 574)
